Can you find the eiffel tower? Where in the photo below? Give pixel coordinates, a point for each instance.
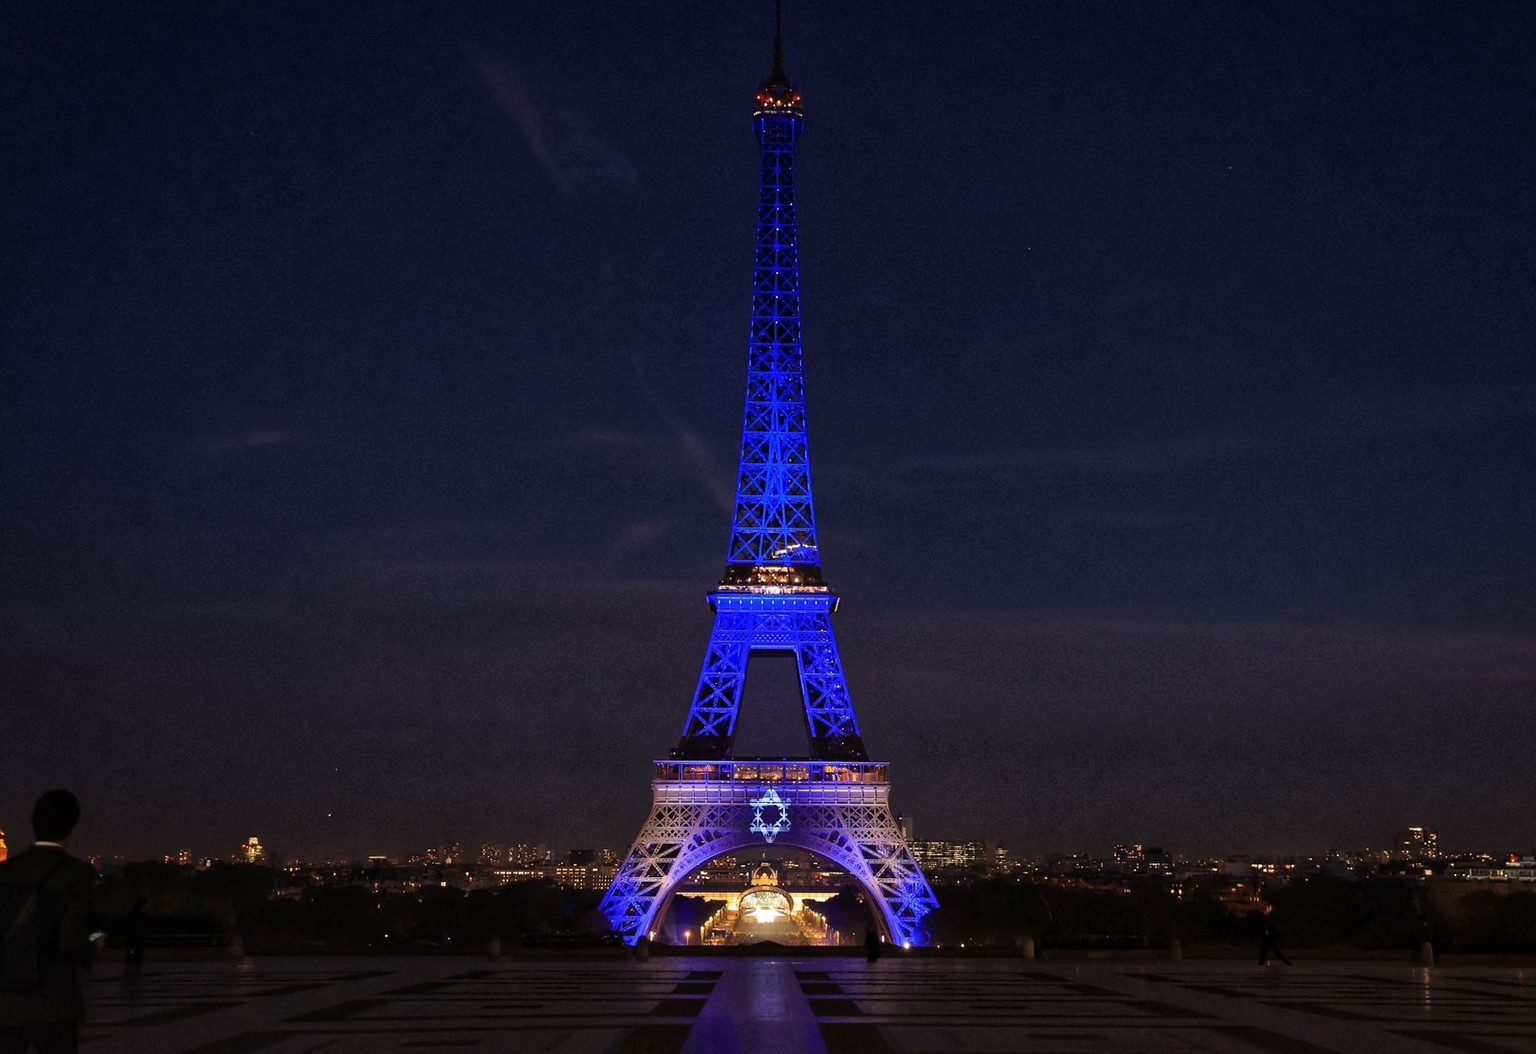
(772, 598)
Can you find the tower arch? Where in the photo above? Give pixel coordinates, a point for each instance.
(840, 812)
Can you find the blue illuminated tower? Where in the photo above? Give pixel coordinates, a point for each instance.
(772, 598)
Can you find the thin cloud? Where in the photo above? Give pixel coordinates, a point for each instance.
(694, 448)
(579, 161)
(239, 442)
(1331, 425)
(642, 534)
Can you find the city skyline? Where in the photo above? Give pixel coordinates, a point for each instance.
(1408, 843)
(372, 388)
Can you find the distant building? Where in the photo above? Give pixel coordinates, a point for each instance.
(1239, 899)
(522, 873)
(585, 876)
(252, 851)
(937, 856)
(4, 852)
(524, 855)
(1514, 869)
(1238, 866)
(1416, 844)
(444, 855)
(1066, 863)
(1131, 857)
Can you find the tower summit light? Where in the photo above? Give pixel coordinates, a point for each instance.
(772, 598)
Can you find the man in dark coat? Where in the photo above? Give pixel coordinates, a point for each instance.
(1269, 937)
(871, 944)
(46, 1019)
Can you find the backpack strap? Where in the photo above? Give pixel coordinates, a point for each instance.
(41, 885)
(60, 862)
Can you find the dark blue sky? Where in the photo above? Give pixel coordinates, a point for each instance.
(372, 380)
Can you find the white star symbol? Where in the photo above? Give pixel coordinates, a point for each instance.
(770, 799)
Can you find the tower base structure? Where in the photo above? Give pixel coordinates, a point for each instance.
(839, 811)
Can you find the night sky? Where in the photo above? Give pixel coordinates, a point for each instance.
(371, 381)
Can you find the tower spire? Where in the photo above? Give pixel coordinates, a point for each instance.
(777, 94)
(773, 530)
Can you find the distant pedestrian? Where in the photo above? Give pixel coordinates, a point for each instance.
(871, 944)
(42, 1002)
(133, 937)
(1269, 937)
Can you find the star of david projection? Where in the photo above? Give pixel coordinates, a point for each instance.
(769, 800)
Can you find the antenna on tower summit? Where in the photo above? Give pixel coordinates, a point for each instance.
(778, 41)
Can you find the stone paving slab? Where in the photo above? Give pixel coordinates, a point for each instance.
(731, 1005)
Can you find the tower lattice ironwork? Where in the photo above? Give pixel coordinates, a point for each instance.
(772, 598)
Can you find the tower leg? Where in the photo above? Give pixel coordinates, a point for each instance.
(691, 824)
(712, 717)
(800, 625)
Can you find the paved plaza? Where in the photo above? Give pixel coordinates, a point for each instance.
(789, 1006)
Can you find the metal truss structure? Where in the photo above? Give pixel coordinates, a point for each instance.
(775, 522)
(772, 598)
(841, 812)
(800, 624)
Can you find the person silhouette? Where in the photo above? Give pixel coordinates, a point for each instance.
(1269, 937)
(46, 1016)
(133, 935)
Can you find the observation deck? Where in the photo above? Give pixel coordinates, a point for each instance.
(818, 791)
(792, 771)
(773, 578)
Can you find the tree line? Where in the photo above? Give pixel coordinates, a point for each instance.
(167, 904)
